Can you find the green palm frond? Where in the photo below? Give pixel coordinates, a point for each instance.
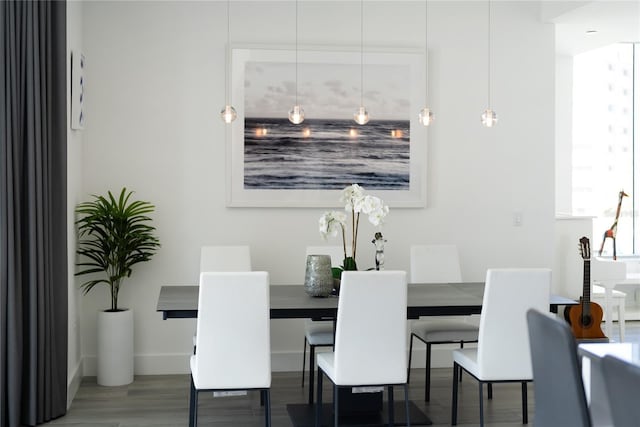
(114, 235)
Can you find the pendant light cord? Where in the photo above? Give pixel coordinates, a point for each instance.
(426, 52)
(489, 54)
(228, 49)
(296, 52)
(361, 52)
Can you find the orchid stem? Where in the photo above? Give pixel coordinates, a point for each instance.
(355, 235)
(344, 243)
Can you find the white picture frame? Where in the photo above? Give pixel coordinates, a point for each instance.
(261, 84)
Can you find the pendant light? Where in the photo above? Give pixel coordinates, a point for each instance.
(361, 116)
(296, 114)
(426, 115)
(228, 113)
(489, 117)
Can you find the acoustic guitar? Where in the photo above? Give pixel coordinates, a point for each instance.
(586, 317)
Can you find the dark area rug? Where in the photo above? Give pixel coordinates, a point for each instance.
(303, 415)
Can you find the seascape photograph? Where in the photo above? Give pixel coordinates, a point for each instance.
(328, 151)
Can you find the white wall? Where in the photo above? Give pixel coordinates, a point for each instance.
(155, 85)
(74, 196)
(564, 134)
(568, 271)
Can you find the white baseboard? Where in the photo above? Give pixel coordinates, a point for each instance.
(73, 383)
(147, 364)
(161, 364)
(89, 367)
(168, 364)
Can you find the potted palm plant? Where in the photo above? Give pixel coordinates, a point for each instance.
(114, 235)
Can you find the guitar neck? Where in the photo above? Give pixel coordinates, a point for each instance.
(586, 283)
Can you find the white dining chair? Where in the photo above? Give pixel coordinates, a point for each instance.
(224, 258)
(503, 352)
(374, 355)
(318, 332)
(233, 346)
(437, 264)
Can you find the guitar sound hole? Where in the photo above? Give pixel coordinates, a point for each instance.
(585, 321)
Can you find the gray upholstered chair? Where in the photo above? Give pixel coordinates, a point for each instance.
(557, 376)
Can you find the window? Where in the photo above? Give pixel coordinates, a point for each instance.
(604, 156)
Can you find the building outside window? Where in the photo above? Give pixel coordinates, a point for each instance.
(605, 136)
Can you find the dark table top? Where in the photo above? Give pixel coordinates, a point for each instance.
(291, 301)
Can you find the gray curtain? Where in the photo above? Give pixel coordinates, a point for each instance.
(33, 248)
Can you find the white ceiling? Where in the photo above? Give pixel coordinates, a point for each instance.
(614, 20)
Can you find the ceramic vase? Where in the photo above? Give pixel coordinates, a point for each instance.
(318, 279)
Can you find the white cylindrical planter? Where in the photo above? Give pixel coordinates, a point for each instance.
(115, 347)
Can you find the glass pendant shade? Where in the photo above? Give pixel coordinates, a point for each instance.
(489, 118)
(228, 114)
(425, 116)
(296, 115)
(361, 116)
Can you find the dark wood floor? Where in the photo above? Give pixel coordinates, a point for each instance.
(162, 401)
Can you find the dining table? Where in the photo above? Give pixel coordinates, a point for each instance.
(292, 302)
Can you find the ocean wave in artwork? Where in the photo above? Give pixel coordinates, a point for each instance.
(326, 154)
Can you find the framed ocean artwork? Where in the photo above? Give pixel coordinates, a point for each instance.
(274, 163)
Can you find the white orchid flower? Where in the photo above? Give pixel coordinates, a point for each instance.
(377, 217)
(331, 223)
(351, 195)
(356, 202)
(375, 208)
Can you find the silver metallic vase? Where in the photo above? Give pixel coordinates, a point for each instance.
(318, 280)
